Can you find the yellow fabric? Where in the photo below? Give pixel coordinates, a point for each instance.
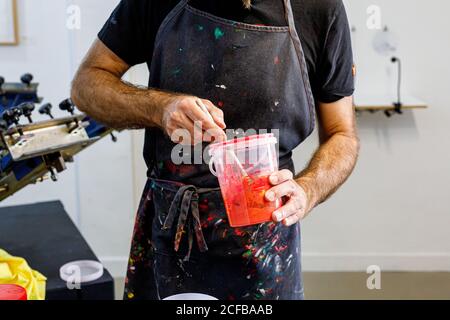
(14, 270)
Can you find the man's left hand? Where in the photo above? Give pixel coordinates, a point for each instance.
(297, 206)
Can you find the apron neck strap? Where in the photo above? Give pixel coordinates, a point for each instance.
(289, 15)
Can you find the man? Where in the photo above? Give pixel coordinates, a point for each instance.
(216, 64)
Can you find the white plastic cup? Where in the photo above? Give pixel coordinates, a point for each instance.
(243, 167)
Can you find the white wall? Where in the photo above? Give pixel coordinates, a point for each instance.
(392, 212)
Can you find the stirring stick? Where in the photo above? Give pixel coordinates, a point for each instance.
(229, 152)
(239, 164)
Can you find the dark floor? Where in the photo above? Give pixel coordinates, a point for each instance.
(352, 285)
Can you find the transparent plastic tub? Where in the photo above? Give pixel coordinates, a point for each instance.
(243, 167)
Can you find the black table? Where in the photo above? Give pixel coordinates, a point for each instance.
(46, 237)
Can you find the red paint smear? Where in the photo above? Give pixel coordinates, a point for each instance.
(182, 170)
(271, 228)
(281, 248)
(203, 206)
(212, 217)
(171, 166)
(239, 232)
(276, 60)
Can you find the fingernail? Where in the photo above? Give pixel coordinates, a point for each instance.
(279, 216)
(270, 196)
(274, 179)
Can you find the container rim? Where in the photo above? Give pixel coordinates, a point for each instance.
(96, 272)
(247, 141)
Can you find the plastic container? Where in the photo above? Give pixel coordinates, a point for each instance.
(12, 292)
(82, 271)
(243, 167)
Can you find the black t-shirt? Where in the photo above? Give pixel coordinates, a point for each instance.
(321, 24)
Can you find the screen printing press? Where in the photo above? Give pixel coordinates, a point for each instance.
(32, 152)
(35, 151)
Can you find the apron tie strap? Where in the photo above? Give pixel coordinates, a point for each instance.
(185, 202)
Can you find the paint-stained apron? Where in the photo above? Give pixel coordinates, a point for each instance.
(182, 241)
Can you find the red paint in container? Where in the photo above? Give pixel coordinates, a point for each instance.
(12, 292)
(254, 209)
(243, 167)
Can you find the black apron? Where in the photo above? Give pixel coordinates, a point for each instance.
(182, 241)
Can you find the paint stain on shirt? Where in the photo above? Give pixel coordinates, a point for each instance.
(176, 71)
(218, 33)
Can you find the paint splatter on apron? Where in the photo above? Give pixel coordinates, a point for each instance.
(182, 241)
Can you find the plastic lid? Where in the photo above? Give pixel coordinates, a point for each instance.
(12, 292)
(244, 142)
(85, 270)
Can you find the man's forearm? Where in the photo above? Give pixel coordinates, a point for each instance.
(329, 168)
(120, 105)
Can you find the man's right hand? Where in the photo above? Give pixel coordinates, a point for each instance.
(99, 91)
(193, 118)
